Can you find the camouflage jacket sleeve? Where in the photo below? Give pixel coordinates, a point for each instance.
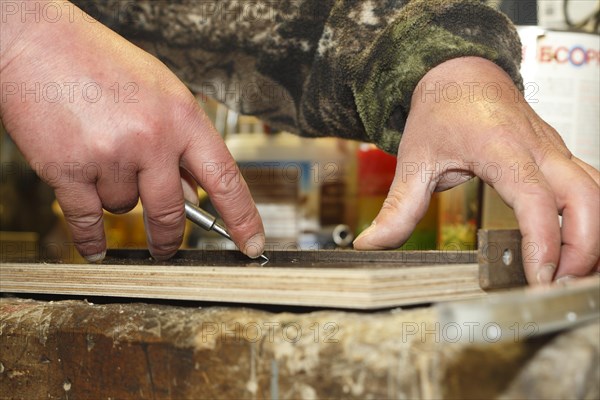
(342, 68)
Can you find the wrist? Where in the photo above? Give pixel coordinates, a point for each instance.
(463, 79)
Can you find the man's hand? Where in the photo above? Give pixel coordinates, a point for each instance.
(103, 122)
(487, 129)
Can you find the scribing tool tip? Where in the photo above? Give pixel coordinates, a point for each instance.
(209, 222)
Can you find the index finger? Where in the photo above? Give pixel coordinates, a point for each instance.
(534, 204)
(212, 165)
(579, 203)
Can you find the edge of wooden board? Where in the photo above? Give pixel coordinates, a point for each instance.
(356, 288)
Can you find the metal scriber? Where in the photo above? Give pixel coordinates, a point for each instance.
(207, 221)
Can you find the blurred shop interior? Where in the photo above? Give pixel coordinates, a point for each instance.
(321, 193)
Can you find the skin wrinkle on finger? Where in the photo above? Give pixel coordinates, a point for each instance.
(80, 203)
(82, 222)
(225, 184)
(166, 245)
(161, 173)
(166, 215)
(395, 203)
(448, 180)
(83, 213)
(241, 218)
(165, 249)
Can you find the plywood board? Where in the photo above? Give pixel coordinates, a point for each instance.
(318, 278)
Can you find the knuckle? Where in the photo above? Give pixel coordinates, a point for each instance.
(146, 130)
(149, 130)
(546, 151)
(185, 106)
(104, 149)
(392, 203)
(232, 180)
(83, 223)
(396, 206)
(396, 199)
(87, 232)
(241, 215)
(245, 219)
(168, 218)
(565, 152)
(166, 228)
(228, 182)
(554, 140)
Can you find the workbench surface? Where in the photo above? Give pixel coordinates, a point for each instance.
(77, 350)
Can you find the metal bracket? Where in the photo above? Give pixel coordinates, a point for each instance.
(499, 257)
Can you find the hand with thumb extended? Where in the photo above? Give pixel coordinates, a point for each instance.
(505, 143)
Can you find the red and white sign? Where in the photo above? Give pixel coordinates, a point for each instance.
(561, 73)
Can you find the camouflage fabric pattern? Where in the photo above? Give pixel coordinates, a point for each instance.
(343, 68)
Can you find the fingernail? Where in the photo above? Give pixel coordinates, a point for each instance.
(94, 258)
(254, 246)
(566, 279)
(366, 232)
(546, 273)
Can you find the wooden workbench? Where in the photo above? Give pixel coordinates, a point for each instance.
(78, 350)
